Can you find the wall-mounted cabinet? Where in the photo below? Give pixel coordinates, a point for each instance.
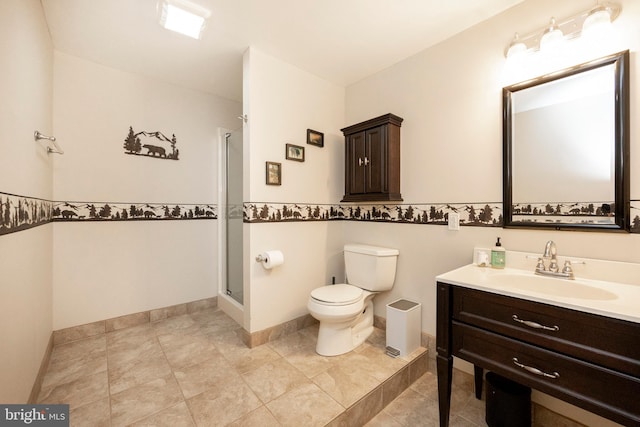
(372, 160)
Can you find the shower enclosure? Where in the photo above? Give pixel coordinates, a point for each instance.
(233, 215)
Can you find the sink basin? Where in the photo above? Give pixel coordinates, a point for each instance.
(551, 286)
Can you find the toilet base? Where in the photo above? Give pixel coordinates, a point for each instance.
(335, 339)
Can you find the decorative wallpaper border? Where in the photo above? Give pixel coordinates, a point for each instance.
(101, 211)
(564, 209)
(634, 214)
(18, 213)
(565, 212)
(473, 214)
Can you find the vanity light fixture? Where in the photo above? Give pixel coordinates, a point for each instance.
(183, 16)
(598, 18)
(552, 38)
(558, 31)
(516, 48)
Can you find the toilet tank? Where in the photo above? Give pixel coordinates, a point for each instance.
(370, 267)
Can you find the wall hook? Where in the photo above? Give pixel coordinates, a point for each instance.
(37, 136)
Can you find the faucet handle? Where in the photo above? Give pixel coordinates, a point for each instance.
(540, 266)
(567, 267)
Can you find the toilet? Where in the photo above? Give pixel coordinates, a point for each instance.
(345, 311)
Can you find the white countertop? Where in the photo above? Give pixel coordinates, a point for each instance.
(618, 298)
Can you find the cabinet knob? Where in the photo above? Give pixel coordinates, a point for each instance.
(366, 161)
(359, 161)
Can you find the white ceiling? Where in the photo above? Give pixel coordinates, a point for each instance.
(342, 41)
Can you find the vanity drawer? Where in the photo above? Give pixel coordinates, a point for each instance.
(597, 389)
(608, 342)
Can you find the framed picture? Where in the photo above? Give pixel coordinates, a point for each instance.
(315, 138)
(295, 152)
(274, 173)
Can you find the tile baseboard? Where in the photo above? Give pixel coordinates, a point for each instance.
(264, 336)
(74, 333)
(44, 365)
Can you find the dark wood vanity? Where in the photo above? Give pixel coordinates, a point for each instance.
(585, 359)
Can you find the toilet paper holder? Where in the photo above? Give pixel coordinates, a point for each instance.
(270, 259)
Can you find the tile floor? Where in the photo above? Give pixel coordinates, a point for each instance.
(194, 369)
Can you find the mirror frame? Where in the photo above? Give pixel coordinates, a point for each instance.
(621, 140)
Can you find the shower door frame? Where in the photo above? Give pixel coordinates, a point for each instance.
(227, 303)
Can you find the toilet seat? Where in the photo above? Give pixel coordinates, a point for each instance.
(341, 294)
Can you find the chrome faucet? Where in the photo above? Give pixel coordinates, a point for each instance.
(551, 254)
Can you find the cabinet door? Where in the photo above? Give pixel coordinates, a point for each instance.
(376, 165)
(356, 158)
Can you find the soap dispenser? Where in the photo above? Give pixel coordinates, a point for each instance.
(498, 255)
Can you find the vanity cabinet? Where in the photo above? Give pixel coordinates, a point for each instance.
(372, 160)
(588, 360)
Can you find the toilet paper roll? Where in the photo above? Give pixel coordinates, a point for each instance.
(272, 259)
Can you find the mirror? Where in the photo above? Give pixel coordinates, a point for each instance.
(566, 148)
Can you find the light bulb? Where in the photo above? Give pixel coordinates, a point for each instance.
(516, 48)
(597, 21)
(552, 38)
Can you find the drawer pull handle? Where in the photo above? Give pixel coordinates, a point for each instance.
(535, 371)
(535, 325)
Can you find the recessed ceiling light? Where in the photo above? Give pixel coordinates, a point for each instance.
(183, 17)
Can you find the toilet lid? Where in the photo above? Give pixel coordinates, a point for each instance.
(337, 294)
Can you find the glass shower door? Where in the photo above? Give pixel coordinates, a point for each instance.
(234, 215)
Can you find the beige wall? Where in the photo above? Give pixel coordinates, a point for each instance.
(103, 270)
(450, 98)
(282, 101)
(25, 169)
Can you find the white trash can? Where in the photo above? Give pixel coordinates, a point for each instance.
(403, 327)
